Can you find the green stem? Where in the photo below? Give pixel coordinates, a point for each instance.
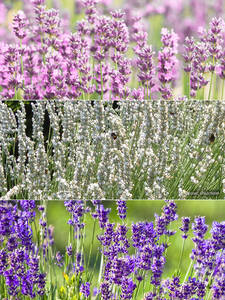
(22, 63)
(223, 84)
(181, 255)
(210, 89)
(101, 82)
(188, 271)
(101, 268)
(92, 240)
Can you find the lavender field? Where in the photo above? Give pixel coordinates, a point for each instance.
(112, 150)
(89, 150)
(150, 254)
(107, 54)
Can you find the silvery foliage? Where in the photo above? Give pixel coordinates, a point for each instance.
(141, 150)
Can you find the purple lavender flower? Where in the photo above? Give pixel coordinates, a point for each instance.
(121, 268)
(218, 286)
(220, 67)
(85, 289)
(127, 288)
(215, 39)
(199, 227)
(78, 265)
(59, 259)
(185, 226)
(122, 209)
(102, 215)
(105, 290)
(218, 235)
(188, 53)
(169, 215)
(69, 250)
(107, 237)
(146, 256)
(77, 210)
(3, 261)
(12, 281)
(142, 234)
(157, 266)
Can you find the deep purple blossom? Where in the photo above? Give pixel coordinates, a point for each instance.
(122, 209)
(102, 215)
(169, 215)
(127, 288)
(218, 235)
(19, 264)
(105, 290)
(77, 210)
(185, 226)
(85, 289)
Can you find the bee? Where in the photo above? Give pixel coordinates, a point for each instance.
(172, 113)
(212, 138)
(113, 135)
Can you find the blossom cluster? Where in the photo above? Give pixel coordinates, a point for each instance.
(133, 257)
(92, 150)
(102, 60)
(19, 257)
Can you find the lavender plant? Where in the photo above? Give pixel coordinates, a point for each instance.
(100, 60)
(90, 150)
(133, 257)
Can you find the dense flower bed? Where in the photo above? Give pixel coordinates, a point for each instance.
(132, 261)
(96, 150)
(102, 60)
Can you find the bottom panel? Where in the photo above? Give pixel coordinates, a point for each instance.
(112, 250)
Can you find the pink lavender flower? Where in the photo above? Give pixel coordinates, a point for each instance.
(167, 62)
(20, 24)
(146, 66)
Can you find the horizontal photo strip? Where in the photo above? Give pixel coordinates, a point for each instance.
(77, 250)
(87, 150)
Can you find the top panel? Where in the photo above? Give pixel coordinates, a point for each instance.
(149, 50)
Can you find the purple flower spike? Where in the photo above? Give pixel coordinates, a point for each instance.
(85, 289)
(127, 288)
(167, 62)
(102, 215)
(199, 227)
(218, 235)
(185, 226)
(19, 25)
(122, 209)
(105, 290)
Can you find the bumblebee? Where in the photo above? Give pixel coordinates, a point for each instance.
(212, 138)
(113, 135)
